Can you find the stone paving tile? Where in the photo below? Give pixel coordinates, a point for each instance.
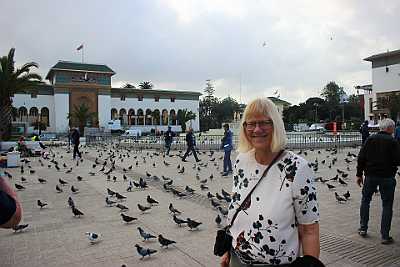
(56, 238)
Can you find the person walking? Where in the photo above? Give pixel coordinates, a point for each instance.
(168, 136)
(378, 160)
(227, 146)
(191, 144)
(397, 132)
(75, 141)
(364, 132)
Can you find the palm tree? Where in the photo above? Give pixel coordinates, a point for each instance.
(128, 85)
(146, 85)
(13, 81)
(81, 115)
(185, 116)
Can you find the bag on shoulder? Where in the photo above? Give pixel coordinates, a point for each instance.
(223, 242)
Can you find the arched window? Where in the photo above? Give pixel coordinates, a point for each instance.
(33, 112)
(114, 114)
(177, 117)
(131, 117)
(44, 116)
(148, 117)
(122, 116)
(140, 117)
(156, 117)
(164, 117)
(172, 117)
(22, 113)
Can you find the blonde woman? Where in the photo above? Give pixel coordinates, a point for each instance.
(279, 220)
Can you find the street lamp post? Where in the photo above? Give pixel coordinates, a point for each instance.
(316, 111)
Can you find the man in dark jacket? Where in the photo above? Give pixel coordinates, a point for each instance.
(191, 143)
(168, 136)
(75, 141)
(227, 146)
(364, 132)
(378, 160)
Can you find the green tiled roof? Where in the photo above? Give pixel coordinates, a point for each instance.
(76, 66)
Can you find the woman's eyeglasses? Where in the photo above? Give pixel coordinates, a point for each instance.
(267, 124)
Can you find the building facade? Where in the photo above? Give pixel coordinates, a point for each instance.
(73, 84)
(385, 83)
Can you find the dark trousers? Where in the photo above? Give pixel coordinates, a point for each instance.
(168, 146)
(188, 150)
(227, 161)
(386, 188)
(76, 151)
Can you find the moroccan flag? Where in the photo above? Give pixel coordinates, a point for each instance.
(80, 47)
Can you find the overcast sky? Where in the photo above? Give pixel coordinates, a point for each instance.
(295, 47)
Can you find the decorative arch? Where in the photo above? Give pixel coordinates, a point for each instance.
(131, 117)
(177, 117)
(156, 117)
(164, 117)
(149, 117)
(172, 117)
(122, 116)
(44, 116)
(22, 113)
(114, 114)
(140, 117)
(33, 112)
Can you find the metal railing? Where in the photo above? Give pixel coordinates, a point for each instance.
(295, 140)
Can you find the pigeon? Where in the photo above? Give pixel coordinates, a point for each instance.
(143, 208)
(192, 224)
(178, 221)
(79, 178)
(209, 195)
(76, 212)
(20, 227)
(93, 237)
(74, 189)
(62, 182)
(109, 202)
(330, 186)
(42, 181)
(189, 190)
(41, 204)
(58, 189)
(339, 198)
(173, 210)
(218, 220)
(342, 182)
(122, 207)
(127, 219)
(347, 195)
(110, 192)
(19, 187)
(223, 211)
(23, 179)
(146, 236)
(182, 170)
(165, 242)
(203, 187)
(144, 251)
(203, 181)
(119, 196)
(151, 201)
(214, 203)
(71, 202)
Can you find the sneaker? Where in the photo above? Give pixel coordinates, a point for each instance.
(362, 233)
(387, 241)
(225, 174)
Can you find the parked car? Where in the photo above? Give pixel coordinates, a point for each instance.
(132, 133)
(317, 128)
(115, 126)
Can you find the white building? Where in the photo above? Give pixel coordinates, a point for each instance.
(73, 84)
(385, 82)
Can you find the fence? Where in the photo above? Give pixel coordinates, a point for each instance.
(295, 140)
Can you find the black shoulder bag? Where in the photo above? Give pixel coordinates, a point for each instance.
(223, 240)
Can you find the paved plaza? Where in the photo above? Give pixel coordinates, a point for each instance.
(56, 238)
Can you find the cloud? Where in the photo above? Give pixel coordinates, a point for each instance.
(179, 44)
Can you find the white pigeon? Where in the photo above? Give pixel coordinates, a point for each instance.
(93, 237)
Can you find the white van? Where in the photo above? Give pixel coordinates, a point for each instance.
(132, 133)
(115, 126)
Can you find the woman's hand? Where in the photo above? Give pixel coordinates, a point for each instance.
(225, 259)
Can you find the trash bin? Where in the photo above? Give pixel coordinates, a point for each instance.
(13, 159)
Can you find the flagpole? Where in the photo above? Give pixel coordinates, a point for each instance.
(83, 49)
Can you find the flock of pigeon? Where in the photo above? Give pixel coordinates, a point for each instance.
(107, 161)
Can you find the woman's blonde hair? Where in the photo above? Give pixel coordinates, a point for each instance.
(265, 107)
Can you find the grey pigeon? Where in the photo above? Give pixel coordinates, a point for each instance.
(93, 237)
(192, 224)
(151, 201)
(20, 227)
(178, 221)
(122, 207)
(109, 202)
(127, 219)
(164, 242)
(173, 210)
(144, 251)
(143, 208)
(71, 202)
(76, 212)
(146, 236)
(41, 204)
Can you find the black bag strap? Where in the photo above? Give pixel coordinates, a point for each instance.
(254, 187)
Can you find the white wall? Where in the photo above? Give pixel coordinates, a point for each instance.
(149, 103)
(104, 107)
(61, 102)
(386, 81)
(25, 100)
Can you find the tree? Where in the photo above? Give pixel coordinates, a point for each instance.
(209, 90)
(80, 116)
(226, 109)
(185, 116)
(208, 108)
(146, 85)
(332, 94)
(13, 81)
(128, 85)
(39, 125)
